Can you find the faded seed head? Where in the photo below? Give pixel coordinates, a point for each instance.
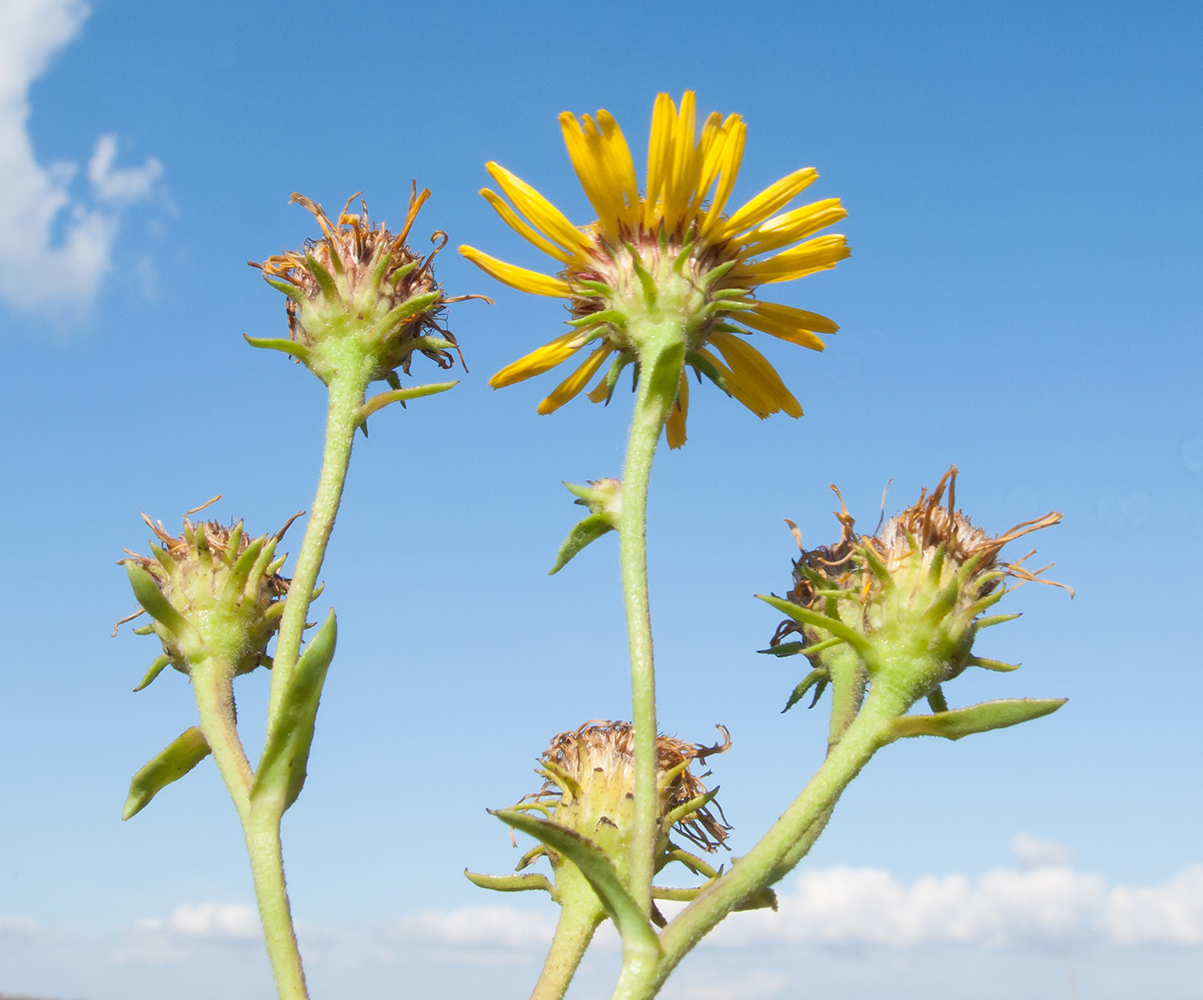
(224, 588)
(590, 788)
(922, 581)
(359, 282)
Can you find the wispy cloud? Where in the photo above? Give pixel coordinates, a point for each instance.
(55, 248)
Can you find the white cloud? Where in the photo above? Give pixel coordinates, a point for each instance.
(475, 934)
(1167, 914)
(187, 932)
(1043, 901)
(757, 983)
(54, 248)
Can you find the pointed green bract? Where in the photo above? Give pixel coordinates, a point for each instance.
(281, 772)
(181, 756)
(636, 931)
(585, 532)
(146, 590)
(976, 718)
(383, 399)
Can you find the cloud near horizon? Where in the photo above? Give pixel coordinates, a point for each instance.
(55, 248)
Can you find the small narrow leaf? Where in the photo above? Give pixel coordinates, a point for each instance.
(510, 883)
(298, 351)
(281, 772)
(634, 929)
(588, 530)
(819, 677)
(805, 616)
(181, 756)
(381, 400)
(156, 668)
(976, 718)
(785, 649)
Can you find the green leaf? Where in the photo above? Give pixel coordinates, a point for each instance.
(805, 616)
(156, 668)
(976, 718)
(634, 928)
(588, 530)
(819, 677)
(181, 756)
(381, 400)
(510, 883)
(298, 351)
(281, 772)
(784, 649)
(147, 591)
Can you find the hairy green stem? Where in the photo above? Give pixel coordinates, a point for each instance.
(581, 913)
(346, 396)
(212, 681)
(867, 734)
(646, 427)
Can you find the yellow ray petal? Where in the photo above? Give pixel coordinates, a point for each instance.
(794, 325)
(674, 427)
(741, 387)
(575, 382)
(591, 167)
(541, 212)
(659, 154)
(745, 361)
(732, 156)
(819, 254)
(622, 165)
(769, 200)
(710, 155)
(682, 177)
(793, 334)
(793, 226)
(518, 277)
(538, 361)
(515, 222)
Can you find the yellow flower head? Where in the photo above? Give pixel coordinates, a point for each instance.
(672, 255)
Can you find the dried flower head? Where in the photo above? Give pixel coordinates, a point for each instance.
(589, 787)
(672, 251)
(211, 592)
(922, 583)
(363, 287)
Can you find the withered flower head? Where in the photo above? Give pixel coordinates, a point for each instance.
(923, 581)
(212, 593)
(590, 788)
(361, 288)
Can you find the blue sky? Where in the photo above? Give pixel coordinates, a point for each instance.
(1023, 300)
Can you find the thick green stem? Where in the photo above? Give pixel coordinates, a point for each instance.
(867, 734)
(346, 396)
(646, 427)
(212, 681)
(581, 913)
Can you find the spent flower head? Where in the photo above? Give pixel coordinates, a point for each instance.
(669, 265)
(916, 592)
(589, 788)
(360, 297)
(211, 592)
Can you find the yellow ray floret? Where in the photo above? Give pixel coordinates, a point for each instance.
(679, 224)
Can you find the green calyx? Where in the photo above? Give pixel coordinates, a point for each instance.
(211, 593)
